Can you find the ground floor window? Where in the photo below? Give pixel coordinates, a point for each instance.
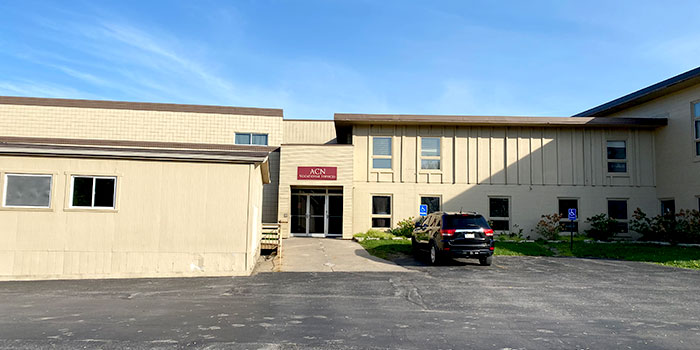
(433, 203)
(668, 207)
(564, 205)
(499, 213)
(617, 209)
(381, 211)
(93, 192)
(27, 191)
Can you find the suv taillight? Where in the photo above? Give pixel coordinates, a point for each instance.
(447, 233)
(488, 232)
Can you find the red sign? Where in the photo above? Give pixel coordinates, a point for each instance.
(317, 173)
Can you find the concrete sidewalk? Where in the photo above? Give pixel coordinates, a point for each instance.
(301, 254)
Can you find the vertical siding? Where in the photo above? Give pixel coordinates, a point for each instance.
(507, 156)
(309, 132)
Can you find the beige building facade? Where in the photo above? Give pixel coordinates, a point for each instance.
(101, 189)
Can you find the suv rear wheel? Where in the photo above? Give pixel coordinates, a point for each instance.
(487, 261)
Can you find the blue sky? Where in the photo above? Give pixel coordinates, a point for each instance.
(315, 58)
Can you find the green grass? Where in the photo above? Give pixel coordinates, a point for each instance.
(684, 257)
(522, 249)
(385, 248)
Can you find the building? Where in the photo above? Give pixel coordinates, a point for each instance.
(121, 189)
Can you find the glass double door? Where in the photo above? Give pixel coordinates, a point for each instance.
(317, 214)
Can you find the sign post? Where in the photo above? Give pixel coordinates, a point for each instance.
(572, 218)
(423, 210)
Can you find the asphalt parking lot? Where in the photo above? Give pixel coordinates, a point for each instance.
(519, 303)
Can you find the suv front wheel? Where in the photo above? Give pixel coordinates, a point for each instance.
(434, 254)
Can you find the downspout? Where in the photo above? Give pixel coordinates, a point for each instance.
(247, 245)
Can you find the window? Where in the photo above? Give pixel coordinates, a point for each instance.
(564, 205)
(93, 192)
(696, 127)
(381, 152)
(668, 207)
(433, 203)
(430, 153)
(499, 213)
(381, 211)
(617, 209)
(27, 191)
(617, 157)
(251, 139)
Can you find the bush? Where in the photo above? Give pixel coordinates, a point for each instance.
(549, 226)
(683, 227)
(603, 227)
(372, 233)
(405, 228)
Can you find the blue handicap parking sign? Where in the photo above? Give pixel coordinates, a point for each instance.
(572, 214)
(423, 210)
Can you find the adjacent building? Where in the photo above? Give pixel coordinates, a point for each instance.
(94, 189)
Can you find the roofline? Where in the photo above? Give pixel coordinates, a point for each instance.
(140, 106)
(342, 119)
(646, 94)
(131, 150)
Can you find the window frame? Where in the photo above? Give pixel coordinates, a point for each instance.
(611, 160)
(69, 197)
(251, 134)
(623, 221)
(565, 219)
(439, 197)
(389, 157)
(381, 216)
(661, 205)
(501, 218)
(421, 157)
(5, 182)
(694, 132)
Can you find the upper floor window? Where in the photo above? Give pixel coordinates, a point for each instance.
(617, 156)
(251, 139)
(93, 192)
(430, 153)
(27, 191)
(381, 152)
(696, 127)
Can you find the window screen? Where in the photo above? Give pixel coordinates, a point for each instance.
(381, 205)
(433, 203)
(430, 153)
(23, 190)
(260, 139)
(381, 146)
(381, 152)
(243, 139)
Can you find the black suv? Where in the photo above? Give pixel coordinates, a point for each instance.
(455, 235)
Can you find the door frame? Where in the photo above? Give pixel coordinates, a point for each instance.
(326, 211)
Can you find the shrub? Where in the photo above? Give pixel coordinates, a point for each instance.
(372, 233)
(683, 227)
(404, 228)
(549, 226)
(603, 227)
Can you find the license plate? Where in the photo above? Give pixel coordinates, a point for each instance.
(468, 235)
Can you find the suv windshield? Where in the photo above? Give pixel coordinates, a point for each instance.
(463, 221)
